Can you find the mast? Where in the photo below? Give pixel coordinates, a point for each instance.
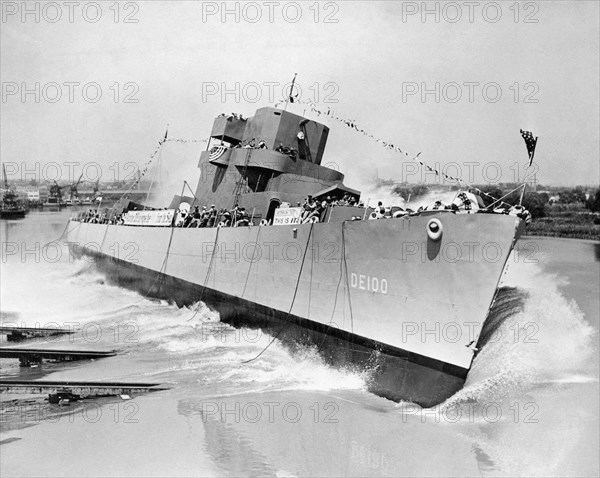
(4, 176)
(290, 98)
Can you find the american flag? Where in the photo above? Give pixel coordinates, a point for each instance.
(530, 141)
(216, 152)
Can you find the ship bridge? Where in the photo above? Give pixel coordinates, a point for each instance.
(259, 162)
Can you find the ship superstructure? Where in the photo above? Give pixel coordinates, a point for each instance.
(261, 162)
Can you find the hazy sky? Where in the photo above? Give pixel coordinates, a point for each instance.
(532, 65)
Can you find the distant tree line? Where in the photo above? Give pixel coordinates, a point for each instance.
(593, 202)
(572, 196)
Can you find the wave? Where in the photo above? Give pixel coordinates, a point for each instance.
(534, 336)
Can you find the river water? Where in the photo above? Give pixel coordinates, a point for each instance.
(530, 406)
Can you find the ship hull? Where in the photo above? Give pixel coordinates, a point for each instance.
(330, 292)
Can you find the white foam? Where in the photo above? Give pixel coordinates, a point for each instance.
(548, 341)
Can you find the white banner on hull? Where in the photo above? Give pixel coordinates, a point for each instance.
(149, 218)
(287, 215)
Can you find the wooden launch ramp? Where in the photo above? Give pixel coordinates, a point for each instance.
(16, 334)
(31, 356)
(76, 389)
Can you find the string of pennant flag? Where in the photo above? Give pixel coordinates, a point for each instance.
(152, 156)
(146, 166)
(136, 181)
(174, 140)
(530, 141)
(352, 124)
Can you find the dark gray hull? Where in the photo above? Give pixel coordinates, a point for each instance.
(393, 373)
(326, 294)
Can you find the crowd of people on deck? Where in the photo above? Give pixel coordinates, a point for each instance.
(313, 207)
(261, 144)
(96, 217)
(236, 217)
(211, 217)
(252, 144)
(313, 210)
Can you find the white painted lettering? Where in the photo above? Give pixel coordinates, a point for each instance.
(361, 282)
(368, 283)
(384, 286)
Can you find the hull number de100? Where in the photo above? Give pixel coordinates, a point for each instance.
(368, 283)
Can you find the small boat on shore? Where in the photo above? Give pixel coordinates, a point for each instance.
(11, 207)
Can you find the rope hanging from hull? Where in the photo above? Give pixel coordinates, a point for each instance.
(251, 262)
(293, 299)
(208, 272)
(343, 266)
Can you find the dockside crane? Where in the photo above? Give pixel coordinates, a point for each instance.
(56, 190)
(73, 188)
(95, 193)
(4, 178)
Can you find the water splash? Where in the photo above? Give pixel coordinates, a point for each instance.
(390, 198)
(535, 336)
